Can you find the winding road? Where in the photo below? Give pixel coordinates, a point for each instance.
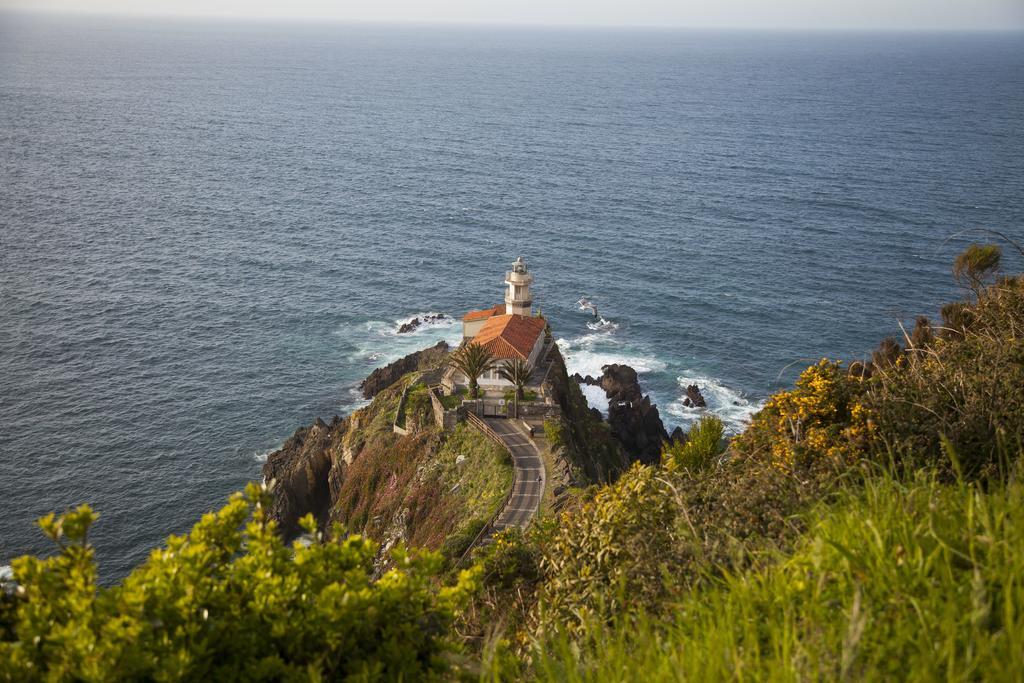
(528, 489)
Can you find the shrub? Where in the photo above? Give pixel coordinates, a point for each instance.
(967, 386)
(894, 581)
(419, 411)
(511, 560)
(975, 264)
(700, 448)
(554, 433)
(229, 601)
(456, 544)
(612, 554)
(820, 418)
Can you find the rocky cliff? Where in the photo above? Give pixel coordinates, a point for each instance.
(301, 472)
(382, 378)
(429, 488)
(429, 485)
(588, 450)
(633, 419)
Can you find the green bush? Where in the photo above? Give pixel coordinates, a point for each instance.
(419, 411)
(229, 601)
(456, 544)
(613, 553)
(967, 387)
(700, 448)
(554, 432)
(896, 580)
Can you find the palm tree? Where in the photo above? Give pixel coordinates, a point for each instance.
(472, 360)
(519, 373)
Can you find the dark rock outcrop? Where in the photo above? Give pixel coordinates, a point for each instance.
(382, 378)
(589, 453)
(413, 324)
(300, 472)
(634, 420)
(694, 399)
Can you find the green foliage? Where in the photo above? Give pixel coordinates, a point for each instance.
(458, 542)
(894, 581)
(702, 445)
(472, 360)
(612, 554)
(419, 412)
(976, 264)
(230, 601)
(820, 420)
(511, 560)
(967, 387)
(528, 395)
(452, 401)
(518, 372)
(554, 433)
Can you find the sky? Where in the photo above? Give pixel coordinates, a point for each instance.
(769, 14)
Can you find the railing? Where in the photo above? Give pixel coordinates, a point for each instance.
(488, 528)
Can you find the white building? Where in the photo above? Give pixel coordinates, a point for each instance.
(509, 331)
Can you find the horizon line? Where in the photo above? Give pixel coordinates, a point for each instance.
(469, 23)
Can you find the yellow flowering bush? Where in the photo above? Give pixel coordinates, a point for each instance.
(821, 417)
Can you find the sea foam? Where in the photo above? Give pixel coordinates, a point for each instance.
(732, 407)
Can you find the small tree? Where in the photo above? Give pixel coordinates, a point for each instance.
(702, 445)
(976, 264)
(472, 360)
(519, 373)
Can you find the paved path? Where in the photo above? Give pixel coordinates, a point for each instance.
(530, 477)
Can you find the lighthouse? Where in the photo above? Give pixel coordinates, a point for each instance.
(518, 299)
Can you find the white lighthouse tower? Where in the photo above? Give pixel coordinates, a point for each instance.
(518, 299)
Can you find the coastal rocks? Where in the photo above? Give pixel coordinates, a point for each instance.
(300, 470)
(634, 420)
(694, 399)
(414, 324)
(382, 378)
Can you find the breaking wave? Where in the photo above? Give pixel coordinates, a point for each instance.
(585, 356)
(588, 353)
(602, 325)
(734, 409)
(381, 342)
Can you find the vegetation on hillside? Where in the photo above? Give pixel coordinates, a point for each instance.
(868, 524)
(228, 602)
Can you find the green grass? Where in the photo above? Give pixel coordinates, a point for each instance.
(528, 396)
(895, 581)
(453, 401)
(480, 481)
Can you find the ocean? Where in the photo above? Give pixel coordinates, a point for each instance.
(210, 231)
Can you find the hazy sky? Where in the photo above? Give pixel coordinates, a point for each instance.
(920, 14)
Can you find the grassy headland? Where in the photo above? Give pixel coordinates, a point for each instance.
(866, 525)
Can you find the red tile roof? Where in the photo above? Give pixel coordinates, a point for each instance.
(485, 313)
(510, 336)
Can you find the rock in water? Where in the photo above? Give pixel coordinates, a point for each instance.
(382, 378)
(694, 399)
(634, 420)
(409, 326)
(413, 324)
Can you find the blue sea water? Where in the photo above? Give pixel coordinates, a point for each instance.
(209, 231)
